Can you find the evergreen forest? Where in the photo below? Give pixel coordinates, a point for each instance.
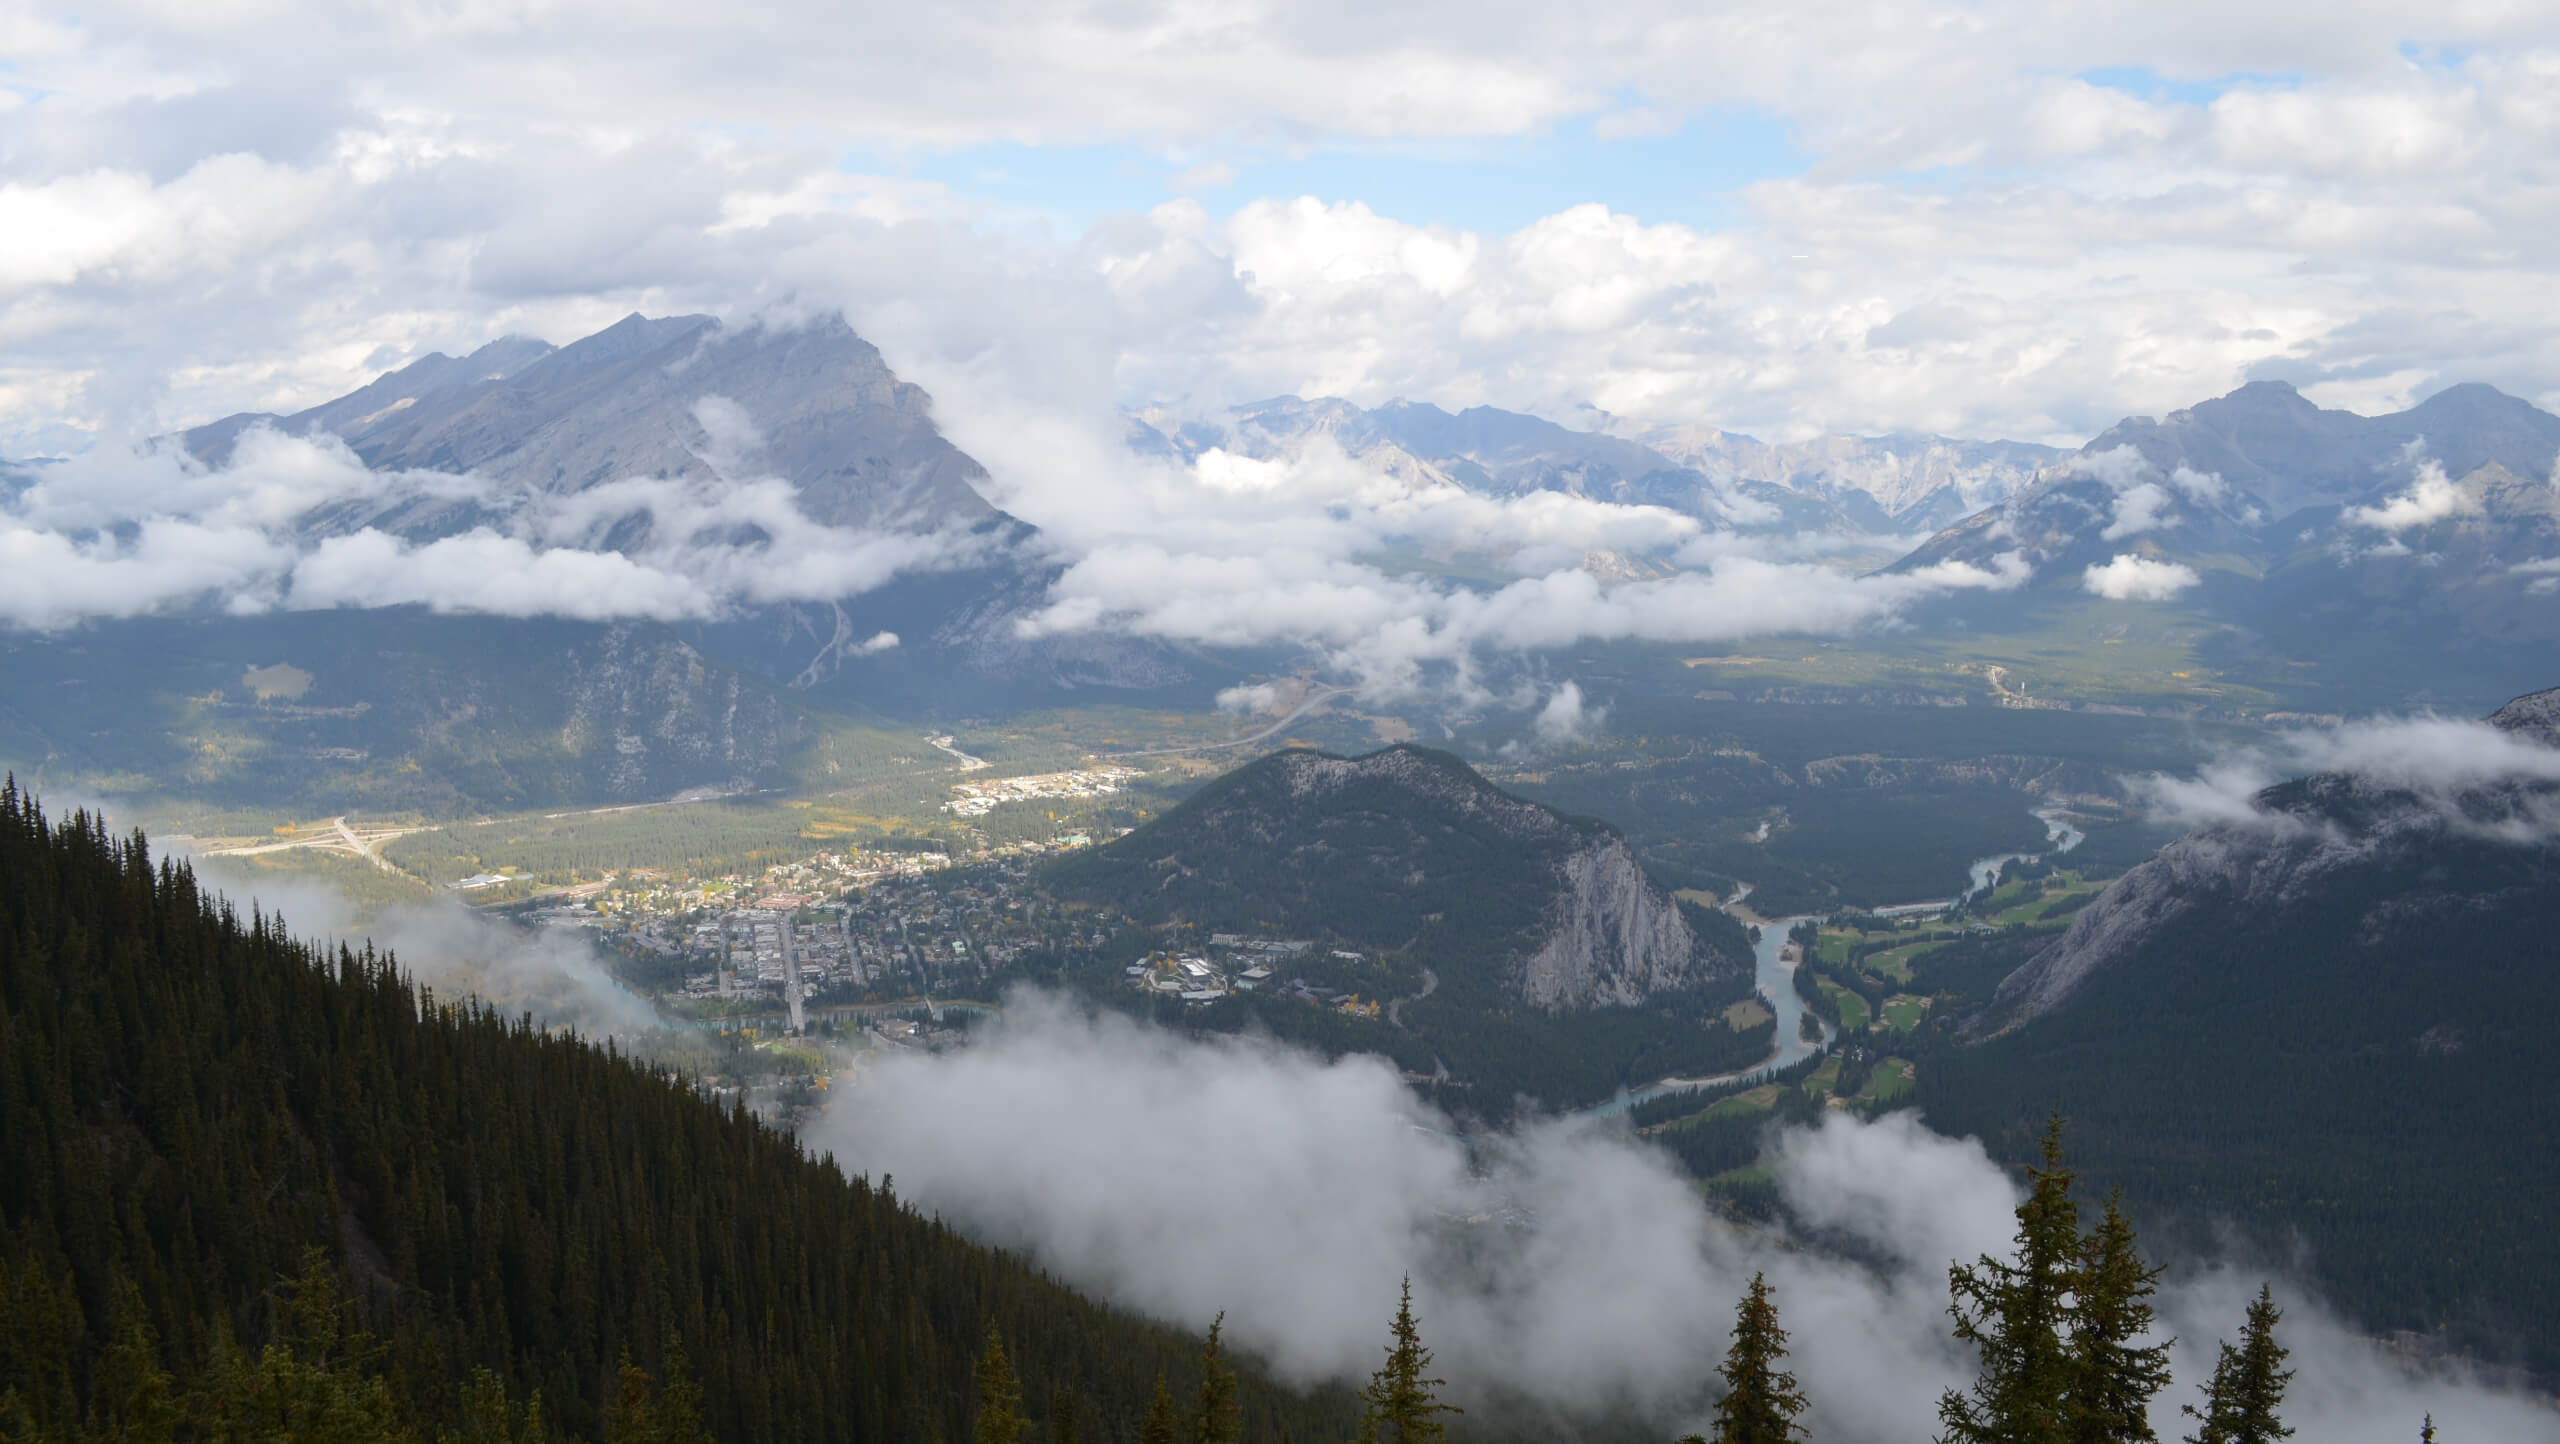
(251, 1189)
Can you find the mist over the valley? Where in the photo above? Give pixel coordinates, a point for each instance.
(2446, 765)
(1564, 1266)
(555, 974)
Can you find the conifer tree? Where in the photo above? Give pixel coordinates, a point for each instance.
(137, 1401)
(1063, 1408)
(1399, 1405)
(2248, 1384)
(680, 1406)
(632, 1417)
(2016, 1315)
(999, 1419)
(1159, 1427)
(1217, 1415)
(2114, 1374)
(1760, 1400)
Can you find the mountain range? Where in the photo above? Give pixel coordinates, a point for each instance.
(555, 437)
(1851, 486)
(2283, 528)
(2299, 522)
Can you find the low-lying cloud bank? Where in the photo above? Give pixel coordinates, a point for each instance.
(120, 532)
(1566, 1266)
(554, 974)
(2449, 763)
(1314, 552)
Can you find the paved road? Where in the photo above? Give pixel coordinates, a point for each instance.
(1314, 699)
(340, 836)
(1430, 984)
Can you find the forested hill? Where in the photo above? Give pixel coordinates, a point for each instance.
(211, 1135)
(1408, 850)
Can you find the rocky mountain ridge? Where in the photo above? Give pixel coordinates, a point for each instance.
(2313, 835)
(1843, 485)
(632, 439)
(680, 398)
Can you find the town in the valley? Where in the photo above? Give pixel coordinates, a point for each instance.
(887, 938)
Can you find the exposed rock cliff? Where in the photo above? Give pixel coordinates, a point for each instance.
(1617, 939)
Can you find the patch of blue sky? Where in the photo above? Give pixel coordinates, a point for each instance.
(2440, 57)
(2150, 84)
(1691, 175)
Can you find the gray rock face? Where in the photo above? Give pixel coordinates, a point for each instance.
(2267, 439)
(2536, 716)
(2316, 829)
(1914, 480)
(814, 405)
(1617, 939)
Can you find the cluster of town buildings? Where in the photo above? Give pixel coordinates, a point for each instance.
(1233, 963)
(904, 934)
(977, 799)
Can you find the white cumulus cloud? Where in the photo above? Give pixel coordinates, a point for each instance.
(2133, 578)
(2430, 499)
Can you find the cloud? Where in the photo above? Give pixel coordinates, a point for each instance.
(2131, 578)
(1254, 699)
(2206, 487)
(1565, 719)
(1564, 1266)
(1384, 631)
(49, 579)
(2438, 759)
(2012, 248)
(553, 973)
(2077, 247)
(482, 571)
(2429, 499)
(120, 532)
(2138, 508)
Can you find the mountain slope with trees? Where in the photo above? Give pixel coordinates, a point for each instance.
(2328, 1025)
(235, 1168)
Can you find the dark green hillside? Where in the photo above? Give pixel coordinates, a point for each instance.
(1434, 860)
(193, 1105)
(1451, 890)
(395, 709)
(2362, 1063)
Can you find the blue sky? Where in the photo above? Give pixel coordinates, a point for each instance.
(1493, 185)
